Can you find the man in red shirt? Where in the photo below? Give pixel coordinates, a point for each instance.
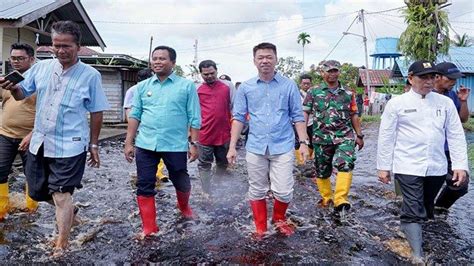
(215, 98)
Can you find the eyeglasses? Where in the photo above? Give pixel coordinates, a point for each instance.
(17, 58)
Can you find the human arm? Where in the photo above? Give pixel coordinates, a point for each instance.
(235, 131)
(386, 143)
(463, 94)
(131, 133)
(303, 137)
(457, 145)
(95, 126)
(357, 128)
(25, 142)
(193, 149)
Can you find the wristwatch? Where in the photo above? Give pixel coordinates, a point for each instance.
(361, 136)
(93, 146)
(305, 142)
(193, 143)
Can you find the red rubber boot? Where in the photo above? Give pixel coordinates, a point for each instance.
(259, 210)
(147, 208)
(279, 218)
(183, 204)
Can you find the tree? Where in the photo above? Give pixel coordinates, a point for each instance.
(303, 39)
(289, 67)
(179, 71)
(427, 33)
(349, 75)
(462, 41)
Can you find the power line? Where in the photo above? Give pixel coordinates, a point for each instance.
(216, 23)
(384, 11)
(272, 36)
(389, 21)
(342, 37)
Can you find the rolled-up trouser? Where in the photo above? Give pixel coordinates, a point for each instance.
(208, 153)
(418, 194)
(147, 164)
(274, 172)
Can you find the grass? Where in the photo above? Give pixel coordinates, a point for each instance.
(372, 118)
(469, 125)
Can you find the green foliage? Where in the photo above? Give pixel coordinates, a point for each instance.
(348, 77)
(469, 125)
(462, 41)
(390, 88)
(289, 67)
(370, 118)
(179, 71)
(427, 33)
(303, 38)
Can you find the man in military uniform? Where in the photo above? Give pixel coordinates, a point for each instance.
(335, 121)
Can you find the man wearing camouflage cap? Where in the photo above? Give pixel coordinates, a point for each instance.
(336, 131)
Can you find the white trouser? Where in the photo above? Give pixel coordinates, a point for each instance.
(271, 171)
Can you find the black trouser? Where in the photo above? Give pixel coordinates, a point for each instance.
(450, 193)
(8, 152)
(418, 194)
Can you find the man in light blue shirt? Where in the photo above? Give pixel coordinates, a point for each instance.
(164, 107)
(274, 104)
(67, 90)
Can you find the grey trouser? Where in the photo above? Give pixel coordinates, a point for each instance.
(273, 172)
(418, 194)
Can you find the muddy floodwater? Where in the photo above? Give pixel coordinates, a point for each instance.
(222, 231)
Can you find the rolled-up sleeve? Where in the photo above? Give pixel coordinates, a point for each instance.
(296, 111)
(240, 105)
(387, 136)
(193, 107)
(137, 106)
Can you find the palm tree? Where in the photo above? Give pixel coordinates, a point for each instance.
(462, 41)
(303, 39)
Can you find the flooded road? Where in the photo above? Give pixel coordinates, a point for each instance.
(222, 232)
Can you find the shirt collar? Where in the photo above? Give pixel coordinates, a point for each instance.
(417, 95)
(277, 77)
(172, 77)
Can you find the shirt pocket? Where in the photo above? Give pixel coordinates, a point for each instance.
(283, 102)
(439, 115)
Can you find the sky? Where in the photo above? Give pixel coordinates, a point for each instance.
(227, 30)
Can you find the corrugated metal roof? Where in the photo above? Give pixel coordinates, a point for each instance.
(377, 77)
(15, 9)
(462, 57)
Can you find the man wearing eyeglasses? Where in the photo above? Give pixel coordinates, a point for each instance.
(412, 134)
(15, 132)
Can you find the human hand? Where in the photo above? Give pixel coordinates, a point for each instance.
(303, 150)
(232, 156)
(463, 93)
(359, 143)
(459, 177)
(193, 153)
(94, 160)
(129, 152)
(25, 143)
(384, 176)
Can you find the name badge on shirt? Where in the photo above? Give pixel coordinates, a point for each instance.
(409, 111)
(76, 139)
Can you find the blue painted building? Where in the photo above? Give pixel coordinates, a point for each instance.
(462, 57)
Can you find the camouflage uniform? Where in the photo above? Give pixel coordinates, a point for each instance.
(333, 134)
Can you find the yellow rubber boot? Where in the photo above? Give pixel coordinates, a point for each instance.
(324, 187)
(4, 201)
(159, 172)
(299, 158)
(31, 205)
(343, 185)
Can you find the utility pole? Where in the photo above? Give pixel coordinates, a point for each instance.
(369, 90)
(195, 62)
(149, 52)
